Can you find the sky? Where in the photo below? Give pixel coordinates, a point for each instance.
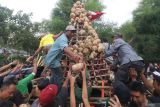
(117, 11)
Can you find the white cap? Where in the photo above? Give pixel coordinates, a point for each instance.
(70, 27)
(156, 73)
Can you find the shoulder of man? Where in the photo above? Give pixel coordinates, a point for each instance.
(153, 99)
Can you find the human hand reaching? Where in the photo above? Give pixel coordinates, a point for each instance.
(72, 80)
(15, 62)
(114, 102)
(78, 58)
(29, 59)
(83, 71)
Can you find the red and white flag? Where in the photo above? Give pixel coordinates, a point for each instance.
(95, 15)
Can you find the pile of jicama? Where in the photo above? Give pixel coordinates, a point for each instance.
(91, 46)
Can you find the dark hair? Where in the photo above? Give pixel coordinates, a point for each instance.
(43, 83)
(156, 78)
(13, 65)
(138, 87)
(73, 31)
(10, 78)
(7, 83)
(39, 71)
(122, 92)
(118, 35)
(6, 104)
(104, 40)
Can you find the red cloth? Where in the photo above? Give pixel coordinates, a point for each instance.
(48, 94)
(96, 15)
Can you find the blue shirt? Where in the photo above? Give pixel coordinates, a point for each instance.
(125, 52)
(55, 54)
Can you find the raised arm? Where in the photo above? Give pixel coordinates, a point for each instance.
(72, 55)
(72, 94)
(57, 35)
(84, 88)
(5, 73)
(35, 54)
(30, 77)
(8, 66)
(146, 82)
(114, 102)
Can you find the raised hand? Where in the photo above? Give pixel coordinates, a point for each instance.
(114, 102)
(30, 59)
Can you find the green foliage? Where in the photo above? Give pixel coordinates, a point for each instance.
(3, 60)
(61, 16)
(145, 30)
(128, 31)
(16, 30)
(42, 27)
(7, 59)
(146, 45)
(5, 15)
(94, 5)
(105, 30)
(147, 16)
(21, 33)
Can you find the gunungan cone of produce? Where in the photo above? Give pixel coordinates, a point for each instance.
(91, 46)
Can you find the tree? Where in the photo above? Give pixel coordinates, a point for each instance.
(147, 16)
(105, 30)
(129, 32)
(17, 31)
(5, 15)
(146, 22)
(22, 33)
(61, 14)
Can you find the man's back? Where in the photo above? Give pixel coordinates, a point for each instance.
(55, 53)
(125, 52)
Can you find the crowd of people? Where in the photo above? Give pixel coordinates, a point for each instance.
(28, 85)
(131, 83)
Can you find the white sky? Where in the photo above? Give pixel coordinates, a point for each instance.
(118, 11)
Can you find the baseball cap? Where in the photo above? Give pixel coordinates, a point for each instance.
(70, 27)
(156, 76)
(48, 94)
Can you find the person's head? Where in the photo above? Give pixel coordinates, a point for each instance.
(41, 35)
(43, 83)
(7, 104)
(132, 73)
(116, 36)
(119, 88)
(70, 31)
(48, 95)
(138, 92)
(156, 81)
(7, 90)
(150, 65)
(104, 40)
(24, 105)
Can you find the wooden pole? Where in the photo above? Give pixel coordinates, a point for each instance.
(102, 90)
